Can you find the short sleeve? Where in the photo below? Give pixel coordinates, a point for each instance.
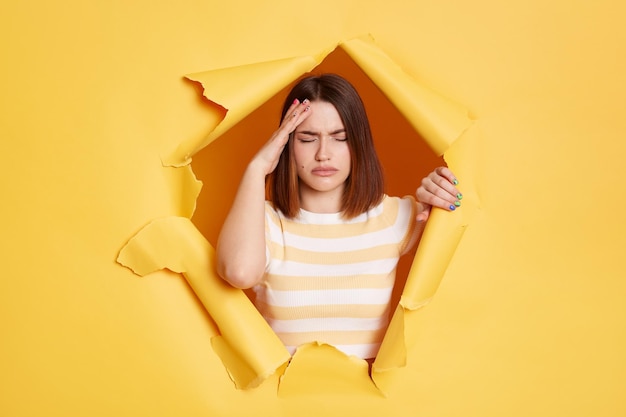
(407, 213)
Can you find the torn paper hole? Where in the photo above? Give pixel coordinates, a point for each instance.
(249, 349)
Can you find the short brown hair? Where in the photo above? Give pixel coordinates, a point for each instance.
(365, 184)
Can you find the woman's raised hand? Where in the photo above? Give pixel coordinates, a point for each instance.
(267, 157)
(438, 189)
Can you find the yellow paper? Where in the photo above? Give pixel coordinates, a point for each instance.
(439, 120)
(442, 122)
(240, 90)
(521, 315)
(328, 372)
(249, 348)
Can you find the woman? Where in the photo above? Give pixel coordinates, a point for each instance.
(321, 254)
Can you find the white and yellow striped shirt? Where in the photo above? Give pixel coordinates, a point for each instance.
(330, 280)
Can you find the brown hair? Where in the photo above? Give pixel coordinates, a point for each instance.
(365, 185)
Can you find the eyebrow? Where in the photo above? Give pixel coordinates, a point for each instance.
(311, 133)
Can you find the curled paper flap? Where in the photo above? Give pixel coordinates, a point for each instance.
(437, 119)
(431, 260)
(445, 230)
(241, 90)
(392, 352)
(319, 369)
(439, 243)
(248, 347)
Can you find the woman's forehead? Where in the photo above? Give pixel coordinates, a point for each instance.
(324, 118)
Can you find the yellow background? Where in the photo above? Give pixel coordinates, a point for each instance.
(529, 318)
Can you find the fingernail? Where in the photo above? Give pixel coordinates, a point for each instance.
(457, 203)
(455, 181)
(459, 196)
(452, 207)
(295, 101)
(307, 108)
(306, 100)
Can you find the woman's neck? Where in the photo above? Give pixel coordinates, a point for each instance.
(321, 202)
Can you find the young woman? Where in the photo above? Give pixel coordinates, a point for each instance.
(321, 254)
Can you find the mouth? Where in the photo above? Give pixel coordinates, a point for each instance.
(324, 171)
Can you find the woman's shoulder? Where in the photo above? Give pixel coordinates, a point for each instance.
(272, 212)
(407, 202)
(269, 207)
(398, 210)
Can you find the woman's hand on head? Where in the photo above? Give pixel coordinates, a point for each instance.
(438, 189)
(267, 157)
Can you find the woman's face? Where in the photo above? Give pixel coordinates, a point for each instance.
(322, 155)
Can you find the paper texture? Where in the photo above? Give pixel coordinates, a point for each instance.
(515, 305)
(249, 348)
(241, 90)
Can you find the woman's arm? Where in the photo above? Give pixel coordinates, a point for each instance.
(241, 243)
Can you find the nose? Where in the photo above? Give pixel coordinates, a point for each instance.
(323, 152)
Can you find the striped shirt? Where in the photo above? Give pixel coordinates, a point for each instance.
(330, 280)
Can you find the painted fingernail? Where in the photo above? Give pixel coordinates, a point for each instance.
(455, 181)
(457, 203)
(295, 101)
(306, 100)
(459, 196)
(307, 108)
(452, 207)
